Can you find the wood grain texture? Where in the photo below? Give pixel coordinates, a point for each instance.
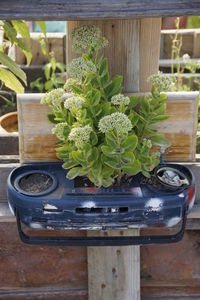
(9, 143)
(5, 170)
(173, 270)
(90, 9)
(114, 272)
(196, 46)
(25, 266)
(149, 50)
(44, 294)
(123, 49)
(37, 142)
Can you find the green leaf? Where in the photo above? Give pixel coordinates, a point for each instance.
(21, 28)
(11, 81)
(94, 138)
(160, 140)
(13, 67)
(106, 182)
(10, 32)
(130, 142)
(107, 171)
(47, 70)
(133, 118)
(134, 100)
(87, 150)
(103, 68)
(133, 168)
(145, 105)
(69, 164)
(115, 87)
(53, 63)
(37, 84)
(61, 66)
(51, 118)
(146, 174)
(78, 156)
(74, 172)
(127, 157)
(158, 118)
(111, 140)
(107, 150)
(42, 26)
(94, 155)
(111, 162)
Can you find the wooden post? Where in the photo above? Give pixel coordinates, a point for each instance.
(114, 272)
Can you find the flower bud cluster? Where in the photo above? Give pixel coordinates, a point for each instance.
(80, 135)
(147, 142)
(79, 67)
(161, 82)
(69, 83)
(58, 130)
(116, 121)
(53, 98)
(87, 36)
(74, 102)
(120, 99)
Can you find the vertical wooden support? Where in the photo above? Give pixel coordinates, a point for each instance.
(149, 50)
(114, 272)
(196, 46)
(123, 49)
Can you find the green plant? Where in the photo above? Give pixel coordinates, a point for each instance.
(103, 134)
(175, 55)
(10, 72)
(11, 75)
(52, 79)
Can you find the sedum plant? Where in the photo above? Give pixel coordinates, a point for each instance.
(103, 134)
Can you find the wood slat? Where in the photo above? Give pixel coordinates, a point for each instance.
(9, 143)
(123, 49)
(44, 294)
(41, 267)
(89, 9)
(5, 170)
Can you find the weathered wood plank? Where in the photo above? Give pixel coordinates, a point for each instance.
(114, 272)
(149, 50)
(9, 143)
(46, 294)
(168, 62)
(123, 49)
(40, 267)
(89, 9)
(196, 46)
(38, 143)
(5, 159)
(180, 263)
(5, 170)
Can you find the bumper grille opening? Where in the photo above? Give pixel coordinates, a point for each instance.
(101, 210)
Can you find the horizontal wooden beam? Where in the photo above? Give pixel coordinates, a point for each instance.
(47, 293)
(90, 9)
